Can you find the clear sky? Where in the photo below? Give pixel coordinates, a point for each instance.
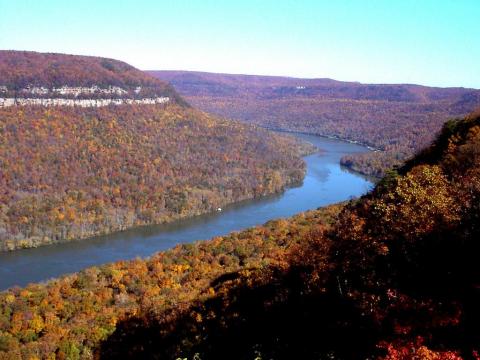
(431, 42)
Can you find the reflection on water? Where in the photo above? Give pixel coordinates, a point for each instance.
(326, 182)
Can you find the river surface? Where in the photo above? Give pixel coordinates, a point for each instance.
(326, 182)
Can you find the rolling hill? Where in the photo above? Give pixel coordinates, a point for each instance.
(47, 75)
(392, 275)
(71, 172)
(398, 120)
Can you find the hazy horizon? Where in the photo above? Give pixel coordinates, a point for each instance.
(428, 43)
(307, 78)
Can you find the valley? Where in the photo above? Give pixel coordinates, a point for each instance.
(71, 173)
(325, 183)
(89, 155)
(239, 180)
(375, 274)
(396, 119)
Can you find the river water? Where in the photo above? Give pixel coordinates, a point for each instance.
(326, 182)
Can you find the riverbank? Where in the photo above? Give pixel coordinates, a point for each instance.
(332, 137)
(35, 242)
(325, 183)
(351, 166)
(85, 307)
(71, 173)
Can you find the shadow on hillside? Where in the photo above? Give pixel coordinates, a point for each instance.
(269, 319)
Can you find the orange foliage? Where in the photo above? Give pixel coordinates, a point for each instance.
(398, 120)
(72, 173)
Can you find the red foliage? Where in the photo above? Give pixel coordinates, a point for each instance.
(21, 69)
(398, 120)
(72, 173)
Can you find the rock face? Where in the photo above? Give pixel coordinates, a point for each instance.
(5, 102)
(93, 96)
(71, 172)
(82, 96)
(31, 78)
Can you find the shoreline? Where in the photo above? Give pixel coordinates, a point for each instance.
(290, 184)
(46, 262)
(332, 137)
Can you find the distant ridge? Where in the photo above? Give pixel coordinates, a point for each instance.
(397, 119)
(190, 82)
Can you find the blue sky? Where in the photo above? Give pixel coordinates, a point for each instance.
(406, 41)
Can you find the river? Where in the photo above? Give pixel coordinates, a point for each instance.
(326, 182)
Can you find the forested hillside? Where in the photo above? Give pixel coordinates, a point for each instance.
(48, 75)
(392, 275)
(71, 316)
(69, 173)
(396, 119)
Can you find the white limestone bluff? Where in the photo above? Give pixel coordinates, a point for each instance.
(6, 102)
(49, 79)
(75, 96)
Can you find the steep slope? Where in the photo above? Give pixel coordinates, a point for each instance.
(111, 147)
(393, 275)
(74, 314)
(398, 120)
(70, 173)
(26, 74)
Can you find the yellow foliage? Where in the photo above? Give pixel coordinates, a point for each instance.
(37, 324)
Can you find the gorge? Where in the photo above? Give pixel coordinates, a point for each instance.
(326, 182)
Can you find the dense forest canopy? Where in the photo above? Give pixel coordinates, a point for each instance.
(393, 275)
(398, 120)
(22, 71)
(69, 173)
